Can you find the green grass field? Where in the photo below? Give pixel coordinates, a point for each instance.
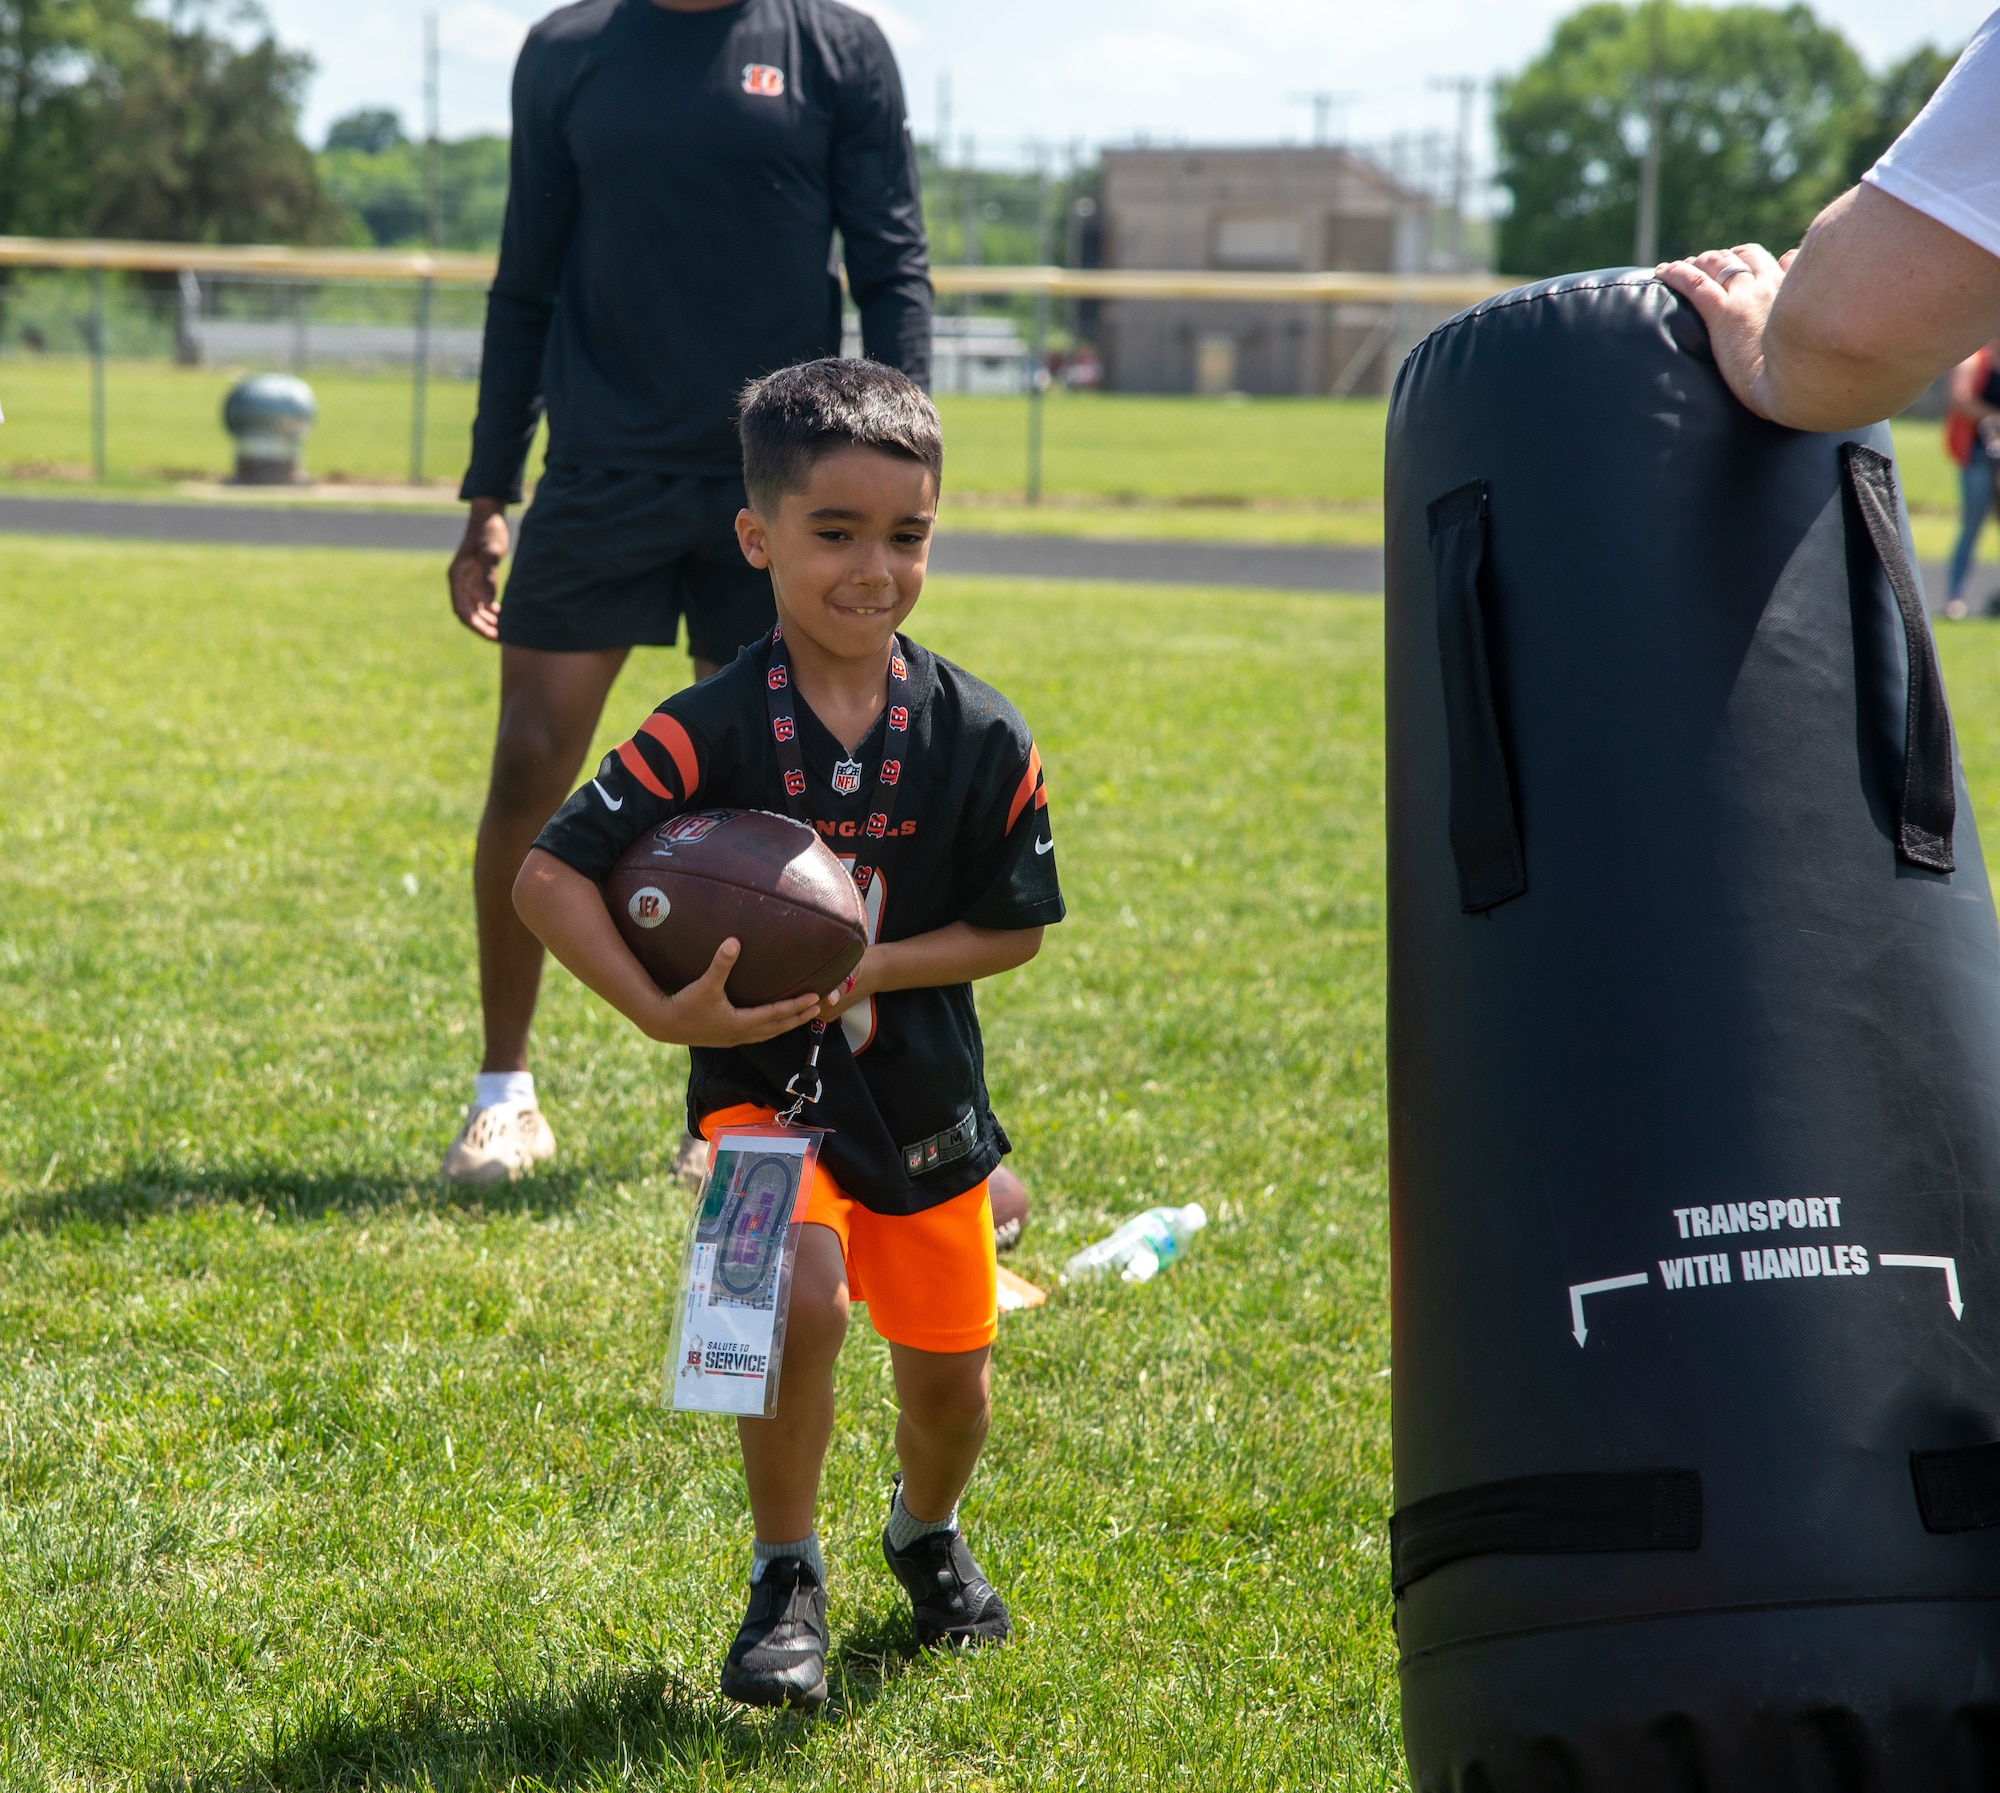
(164, 424)
(1256, 470)
(310, 1477)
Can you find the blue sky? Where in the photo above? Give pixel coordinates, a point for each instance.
(1060, 70)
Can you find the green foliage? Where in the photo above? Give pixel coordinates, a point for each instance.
(1762, 110)
(384, 187)
(311, 1477)
(1004, 217)
(1900, 95)
(198, 139)
(371, 130)
(118, 122)
(48, 110)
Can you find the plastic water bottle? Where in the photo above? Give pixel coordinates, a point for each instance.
(1141, 1248)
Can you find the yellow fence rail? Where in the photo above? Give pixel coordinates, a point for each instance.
(1395, 296)
(393, 266)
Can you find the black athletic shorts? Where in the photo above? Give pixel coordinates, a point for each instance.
(613, 559)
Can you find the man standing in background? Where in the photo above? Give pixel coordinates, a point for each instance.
(679, 169)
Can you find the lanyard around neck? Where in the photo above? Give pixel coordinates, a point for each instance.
(847, 773)
(805, 1087)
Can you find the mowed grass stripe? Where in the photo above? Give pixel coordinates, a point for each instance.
(309, 1476)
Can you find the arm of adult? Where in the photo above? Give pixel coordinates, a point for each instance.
(541, 213)
(877, 206)
(1897, 280)
(1851, 326)
(566, 912)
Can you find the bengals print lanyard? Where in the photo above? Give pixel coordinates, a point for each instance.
(888, 783)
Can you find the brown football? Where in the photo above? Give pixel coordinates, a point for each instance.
(1009, 1198)
(770, 882)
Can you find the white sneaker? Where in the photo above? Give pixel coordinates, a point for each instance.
(498, 1145)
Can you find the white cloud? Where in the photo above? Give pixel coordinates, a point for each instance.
(1099, 70)
(481, 32)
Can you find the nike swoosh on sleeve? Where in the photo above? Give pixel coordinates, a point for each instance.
(1045, 846)
(609, 803)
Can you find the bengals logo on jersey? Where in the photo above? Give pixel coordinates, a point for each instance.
(766, 82)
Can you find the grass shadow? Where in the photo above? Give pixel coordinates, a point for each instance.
(598, 1730)
(151, 1188)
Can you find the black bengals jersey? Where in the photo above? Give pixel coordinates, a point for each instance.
(904, 1072)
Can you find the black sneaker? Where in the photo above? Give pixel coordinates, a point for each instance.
(779, 1656)
(950, 1598)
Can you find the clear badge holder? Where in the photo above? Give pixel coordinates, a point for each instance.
(736, 1274)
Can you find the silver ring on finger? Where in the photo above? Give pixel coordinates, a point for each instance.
(1725, 275)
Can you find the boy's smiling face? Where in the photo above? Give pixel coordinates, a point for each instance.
(847, 554)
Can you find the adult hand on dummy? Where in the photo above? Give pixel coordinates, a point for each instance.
(1734, 290)
(1851, 326)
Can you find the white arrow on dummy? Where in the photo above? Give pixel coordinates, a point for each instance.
(1896, 1260)
(1577, 1291)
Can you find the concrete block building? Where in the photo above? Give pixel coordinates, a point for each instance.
(1254, 210)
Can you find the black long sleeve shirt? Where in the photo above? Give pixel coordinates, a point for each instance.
(676, 181)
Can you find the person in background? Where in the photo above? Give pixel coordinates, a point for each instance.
(1897, 281)
(1974, 395)
(679, 171)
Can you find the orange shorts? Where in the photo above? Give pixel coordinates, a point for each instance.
(928, 1278)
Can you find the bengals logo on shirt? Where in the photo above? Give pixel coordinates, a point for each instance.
(763, 80)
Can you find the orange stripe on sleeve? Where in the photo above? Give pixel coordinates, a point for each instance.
(1026, 790)
(670, 735)
(635, 763)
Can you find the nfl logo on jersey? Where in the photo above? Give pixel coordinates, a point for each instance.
(846, 777)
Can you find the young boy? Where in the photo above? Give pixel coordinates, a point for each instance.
(837, 719)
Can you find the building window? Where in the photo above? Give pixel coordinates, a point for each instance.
(1257, 242)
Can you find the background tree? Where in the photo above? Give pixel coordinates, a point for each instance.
(373, 170)
(120, 120)
(373, 131)
(1761, 112)
(48, 110)
(198, 138)
(1900, 95)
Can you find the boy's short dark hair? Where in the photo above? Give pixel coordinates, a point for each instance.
(788, 420)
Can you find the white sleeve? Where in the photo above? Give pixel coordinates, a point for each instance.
(1947, 164)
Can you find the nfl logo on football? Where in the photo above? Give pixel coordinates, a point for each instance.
(846, 777)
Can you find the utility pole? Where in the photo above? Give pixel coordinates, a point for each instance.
(1467, 89)
(1323, 104)
(433, 237)
(1646, 237)
(99, 460)
(968, 195)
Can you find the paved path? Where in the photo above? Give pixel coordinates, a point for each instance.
(1016, 556)
(1009, 556)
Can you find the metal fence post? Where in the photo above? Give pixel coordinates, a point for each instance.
(1038, 385)
(97, 334)
(420, 389)
(1038, 373)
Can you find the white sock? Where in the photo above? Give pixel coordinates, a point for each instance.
(763, 1555)
(491, 1088)
(905, 1528)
